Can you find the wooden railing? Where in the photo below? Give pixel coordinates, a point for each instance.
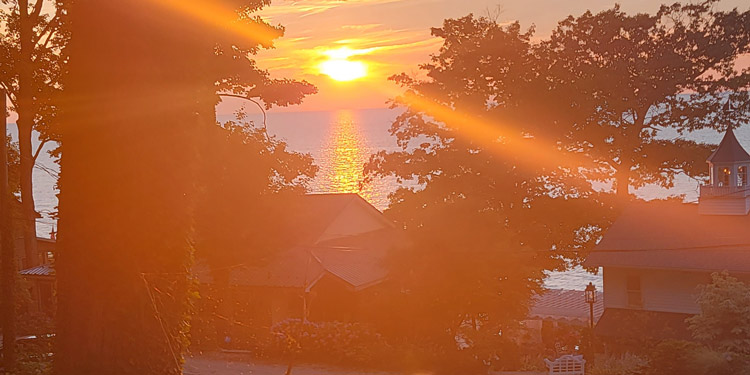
(724, 191)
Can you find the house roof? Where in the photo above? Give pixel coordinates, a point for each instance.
(316, 212)
(642, 325)
(729, 150)
(673, 235)
(565, 305)
(303, 266)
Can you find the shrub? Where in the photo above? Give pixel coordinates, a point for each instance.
(334, 342)
(626, 364)
(689, 358)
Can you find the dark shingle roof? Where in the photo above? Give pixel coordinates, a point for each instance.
(642, 325)
(673, 235)
(729, 150)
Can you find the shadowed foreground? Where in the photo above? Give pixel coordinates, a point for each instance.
(220, 364)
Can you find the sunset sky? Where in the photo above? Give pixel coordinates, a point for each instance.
(377, 38)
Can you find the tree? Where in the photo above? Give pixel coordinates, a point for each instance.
(724, 321)
(30, 70)
(620, 86)
(496, 205)
(141, 90)
(7, 248)
(250, 186)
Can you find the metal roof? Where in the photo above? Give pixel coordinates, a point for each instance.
(41, 270)
(673, 235)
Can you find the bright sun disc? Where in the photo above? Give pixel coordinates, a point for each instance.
(343, 70)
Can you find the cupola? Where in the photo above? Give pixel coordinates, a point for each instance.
(728, 191)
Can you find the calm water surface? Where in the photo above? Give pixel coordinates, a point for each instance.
(341, 142)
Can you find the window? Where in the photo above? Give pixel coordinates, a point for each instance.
(742, 176)
(724, 176)
(633, 286)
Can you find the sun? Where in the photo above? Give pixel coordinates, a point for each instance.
(343, 70)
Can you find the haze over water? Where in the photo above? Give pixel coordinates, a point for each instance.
(341, 142)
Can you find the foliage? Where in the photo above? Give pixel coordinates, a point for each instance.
(13, 165)
(506, 132)
(622, 85)
(250, 183)
(333, 342)
(625, 364)
(49, 37)
(689, 358)
(495, 207)
(724, 321)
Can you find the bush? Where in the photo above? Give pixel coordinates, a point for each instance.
(334, 342)
(626, 364)
(689, 358)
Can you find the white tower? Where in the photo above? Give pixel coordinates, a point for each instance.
(728, 191)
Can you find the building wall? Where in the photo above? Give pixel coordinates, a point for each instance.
(661, 290)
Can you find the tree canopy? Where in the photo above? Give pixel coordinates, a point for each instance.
(504, 133)
(724, 321)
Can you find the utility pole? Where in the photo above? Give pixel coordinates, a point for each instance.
(7, 253)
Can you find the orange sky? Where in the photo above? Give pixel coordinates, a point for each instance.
(394, 36)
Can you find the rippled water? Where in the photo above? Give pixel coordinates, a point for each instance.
(341, 142)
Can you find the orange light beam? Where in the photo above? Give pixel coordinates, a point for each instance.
(210, 13)
(495, 136)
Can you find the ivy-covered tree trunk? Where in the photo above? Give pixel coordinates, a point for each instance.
(136, 103)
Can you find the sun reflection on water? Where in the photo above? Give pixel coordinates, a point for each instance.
(344, 156)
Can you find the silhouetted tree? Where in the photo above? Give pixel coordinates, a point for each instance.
(494, 209)
(623, 87)
(505, 134)
(140, 97)
(30, 70)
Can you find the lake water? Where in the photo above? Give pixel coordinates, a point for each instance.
(341, 142)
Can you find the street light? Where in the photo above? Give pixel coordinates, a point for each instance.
(590, 295)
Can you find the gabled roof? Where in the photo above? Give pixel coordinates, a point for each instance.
(317, 211)
(302, 267)
(673, 235)
(729, 150)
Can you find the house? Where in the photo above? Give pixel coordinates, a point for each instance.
(657, 253)
(336, 261)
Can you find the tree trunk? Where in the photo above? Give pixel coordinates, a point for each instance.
(25, 125)
(7, 257)
(622, 183)
(137, 101)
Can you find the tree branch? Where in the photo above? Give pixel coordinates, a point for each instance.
(39, 150)
(262, 110)
(47, 28)
(37, 8)
(9, 93)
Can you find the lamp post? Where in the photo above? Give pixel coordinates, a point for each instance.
(590, 295)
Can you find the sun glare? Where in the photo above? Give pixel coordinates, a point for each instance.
(340, 68)
(343, 70)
